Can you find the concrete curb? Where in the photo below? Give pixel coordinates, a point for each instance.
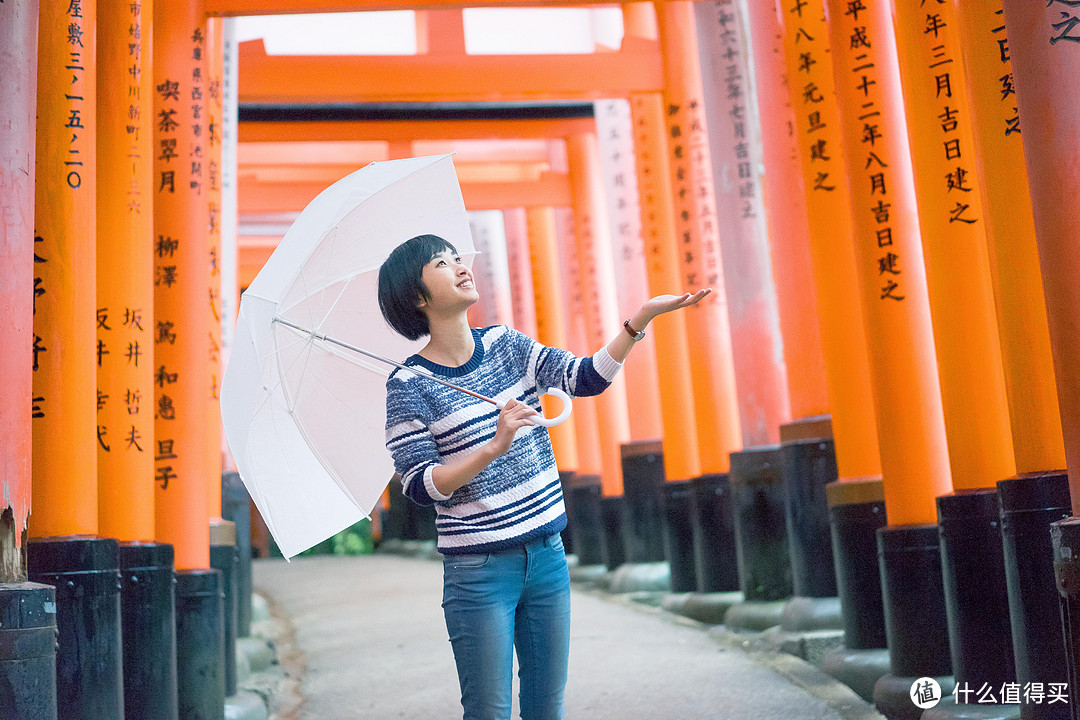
(270, 668)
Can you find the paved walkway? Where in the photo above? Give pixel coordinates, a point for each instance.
(371, 637)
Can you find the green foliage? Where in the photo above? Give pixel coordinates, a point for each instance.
(354, 540)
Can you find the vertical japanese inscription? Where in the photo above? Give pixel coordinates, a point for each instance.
(874, 170)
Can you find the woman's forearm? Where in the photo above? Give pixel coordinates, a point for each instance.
(451, 476)
(621, 345)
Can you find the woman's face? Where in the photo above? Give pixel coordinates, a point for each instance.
(449, 283)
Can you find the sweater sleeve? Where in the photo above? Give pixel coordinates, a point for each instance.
(411, 443)
(553, 367)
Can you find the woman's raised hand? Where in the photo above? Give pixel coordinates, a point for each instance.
(666, 303)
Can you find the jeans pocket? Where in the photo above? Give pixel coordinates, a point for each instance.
(462, 562)
(556, 542)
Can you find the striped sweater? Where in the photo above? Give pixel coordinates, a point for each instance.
(517, 497)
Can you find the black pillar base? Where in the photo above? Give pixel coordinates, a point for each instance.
(148, 612)
(611, 517)
(760, 526)
(643, 477)
(679, 535)
(948, 709)
(236, 508)
(1065, 538)
(200, 645)
(976, 598)
(85, 572)
(566, 480)
(892, 695)
(914, 599)
(807, 467)
(856, 512)
(586, 521)
(715, 559)
(1030, 503)
(27, 651)
(393, 522)
(225, 559)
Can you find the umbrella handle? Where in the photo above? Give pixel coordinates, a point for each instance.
(567, 407)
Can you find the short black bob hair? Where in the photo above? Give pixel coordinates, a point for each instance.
(401, 286)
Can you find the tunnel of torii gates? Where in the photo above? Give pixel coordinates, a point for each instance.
(881, 193)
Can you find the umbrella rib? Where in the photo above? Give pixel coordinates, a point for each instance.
(419, 372)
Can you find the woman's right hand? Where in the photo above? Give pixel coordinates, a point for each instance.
(514, 416)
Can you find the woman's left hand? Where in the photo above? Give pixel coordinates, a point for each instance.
(666, 303)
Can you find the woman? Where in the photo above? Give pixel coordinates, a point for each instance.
(491, 475)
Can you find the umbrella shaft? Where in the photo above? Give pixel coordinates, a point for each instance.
(380, 358)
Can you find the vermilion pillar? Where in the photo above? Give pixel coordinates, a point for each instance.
(516, 226)
(952, 225)
(614, 134)
(1010, 229)
(214, 56)
(711, 361)
(125, 289)
(18, 85)
(889, 261)
(1044, 44)
(682, 459)
(64, 351)
(734, 147)
(181, 283)
(812, 91)
(787, 220)
(598, 303)
(546, 282)
(490, 268)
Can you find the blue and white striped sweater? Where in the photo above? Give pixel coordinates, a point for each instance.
(517, 497)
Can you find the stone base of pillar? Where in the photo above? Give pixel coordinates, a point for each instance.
(28, 651)
(810, 614)
(200, 644)
(612, 511)
(858, 669)
(761, 542)
(914, 599)
(236, 507)
(85, 572)
(856, 512)
(679, 535)
(976, 597)
(225, 559)
(586, 521)
(148, 619)
(643, 478)
(714, 535)
(708, 608)
(808, 465)
(640, 577)
(754, 615)
(1065, 538)
(892, 695)
(1030, 504)
(393, 519)
(566, 480)
(947, 709)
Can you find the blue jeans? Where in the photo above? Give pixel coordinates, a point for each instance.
(502, 600)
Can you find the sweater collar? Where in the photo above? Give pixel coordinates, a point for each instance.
(445, 370)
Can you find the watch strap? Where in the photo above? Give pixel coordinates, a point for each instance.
(632, 332)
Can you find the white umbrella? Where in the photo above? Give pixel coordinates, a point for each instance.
(304, 413)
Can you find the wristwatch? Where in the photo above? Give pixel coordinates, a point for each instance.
(632, 332)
